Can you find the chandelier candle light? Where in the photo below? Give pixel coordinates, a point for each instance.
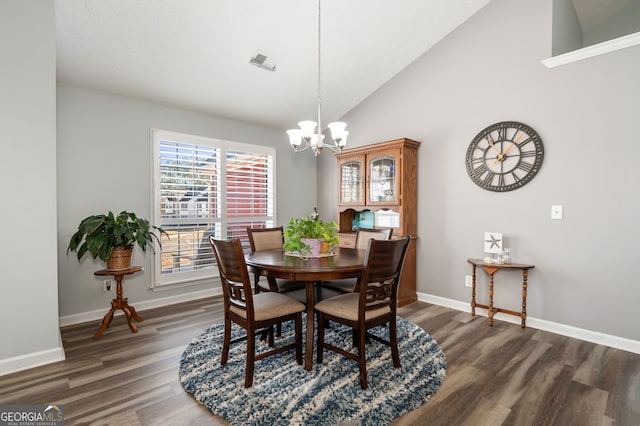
(307, 132)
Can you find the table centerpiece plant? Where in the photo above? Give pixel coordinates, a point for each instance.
(112, 237)
(310, 236)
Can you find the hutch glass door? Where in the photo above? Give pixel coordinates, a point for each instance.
(351, 182)
(383, 182)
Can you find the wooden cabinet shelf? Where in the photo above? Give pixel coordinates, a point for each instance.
(377, 187)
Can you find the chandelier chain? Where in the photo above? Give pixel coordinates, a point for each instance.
(313, 139)
(319, 74)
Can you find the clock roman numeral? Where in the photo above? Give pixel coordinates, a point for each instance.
(488, 179)
(524, 142)
(528, 154)
(502, 134)
(501, 180)
(525, 166)
(480, 170)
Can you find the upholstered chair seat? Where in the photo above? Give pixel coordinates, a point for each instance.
(270, 305)
(346, 306)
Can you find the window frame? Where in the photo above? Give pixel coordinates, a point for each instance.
(161, 281)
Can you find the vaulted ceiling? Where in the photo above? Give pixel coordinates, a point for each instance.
(195, 54)
(592, 13)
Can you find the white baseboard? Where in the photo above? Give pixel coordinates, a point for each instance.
(35, 359)
(24, 362)
(140, 306)
(552, 327)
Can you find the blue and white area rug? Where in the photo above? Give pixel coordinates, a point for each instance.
(284, 393)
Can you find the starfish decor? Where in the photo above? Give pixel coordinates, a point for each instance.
(492, 242)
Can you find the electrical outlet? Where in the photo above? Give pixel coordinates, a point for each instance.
(107, 285)
(556, 212)
(468, 281)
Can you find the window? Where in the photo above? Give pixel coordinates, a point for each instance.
(202, 187)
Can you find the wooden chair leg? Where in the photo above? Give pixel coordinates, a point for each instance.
(251, 358)
(270, 336)
(355, 338)
(320, 341)
(393, 340)
(362, 357)
(264, 334)
(227, 341)
(298, 339)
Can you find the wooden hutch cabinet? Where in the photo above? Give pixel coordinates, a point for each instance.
(377, 187)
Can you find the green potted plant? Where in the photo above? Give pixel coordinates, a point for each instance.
(309, 235)
(111, 238)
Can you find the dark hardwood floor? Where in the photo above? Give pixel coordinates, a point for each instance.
(501, 375)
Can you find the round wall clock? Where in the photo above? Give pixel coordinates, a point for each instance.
(504, 156)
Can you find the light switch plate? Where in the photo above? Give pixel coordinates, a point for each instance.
(556, 212)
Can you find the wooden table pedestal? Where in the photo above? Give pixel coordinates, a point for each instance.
(119, 302)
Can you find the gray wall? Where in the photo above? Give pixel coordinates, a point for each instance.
(28, 256)
(489, 70)
(104, 160)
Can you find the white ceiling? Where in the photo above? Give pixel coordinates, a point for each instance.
(195, 54)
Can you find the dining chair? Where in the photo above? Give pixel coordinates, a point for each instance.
(250, 311)
(363, 235)
(372, 305)
(267, 239)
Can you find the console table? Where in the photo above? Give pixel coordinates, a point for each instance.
(491, 269)
(119, 302)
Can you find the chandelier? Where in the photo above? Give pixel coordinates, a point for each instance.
(314, 139)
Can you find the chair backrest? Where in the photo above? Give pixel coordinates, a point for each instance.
(363, 235)
(265, 238)
(378, 284)
(234, 276)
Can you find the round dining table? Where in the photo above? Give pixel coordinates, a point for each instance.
(343, 263)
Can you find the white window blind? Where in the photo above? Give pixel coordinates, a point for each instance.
(204, 187)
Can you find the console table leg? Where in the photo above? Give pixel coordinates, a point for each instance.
(490, 313)
(473, 290)
(525, 272)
